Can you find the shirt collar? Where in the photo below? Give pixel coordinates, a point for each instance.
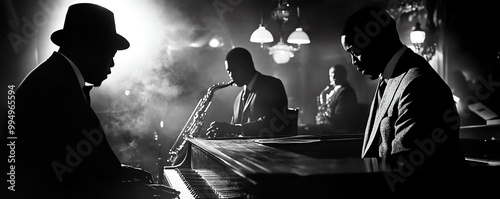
(252, 82)
(389, 68)
(79, 75)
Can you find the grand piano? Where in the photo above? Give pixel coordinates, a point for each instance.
(481, 143)
(302, 166)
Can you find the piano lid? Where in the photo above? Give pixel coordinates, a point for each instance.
(305, 167)
(256, 156)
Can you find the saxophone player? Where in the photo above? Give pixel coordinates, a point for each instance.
(336, 103)
(260, 108)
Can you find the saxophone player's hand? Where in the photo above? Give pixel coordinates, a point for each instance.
(222, 129)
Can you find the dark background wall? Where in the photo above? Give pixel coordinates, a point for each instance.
(166, 78)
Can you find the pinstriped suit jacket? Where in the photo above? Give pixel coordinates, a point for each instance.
(417, 115)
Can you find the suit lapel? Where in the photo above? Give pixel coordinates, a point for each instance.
(369, 125)
(392, 86)
(237, 107)
(249, 100)
(245, 115)
(252, 94)
(335, 95)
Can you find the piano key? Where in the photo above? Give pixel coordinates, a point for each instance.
(197, 184)
(202, 184)
(176, 182)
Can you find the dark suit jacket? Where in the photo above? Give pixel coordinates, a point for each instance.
(417, 111)
(61, 147)
(342, 108)
(417, 127)
(264, 113)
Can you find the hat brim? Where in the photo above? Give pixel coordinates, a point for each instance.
(117, 41)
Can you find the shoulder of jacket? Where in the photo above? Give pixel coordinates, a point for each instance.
(270, 79)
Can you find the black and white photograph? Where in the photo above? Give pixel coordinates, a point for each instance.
(179, 99)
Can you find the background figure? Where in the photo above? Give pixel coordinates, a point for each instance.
(486, 86)
(413, 111)
(462, 89)
(64, 152)
(260, 109)
(337, 103)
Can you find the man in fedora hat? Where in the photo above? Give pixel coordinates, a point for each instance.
(62, 151)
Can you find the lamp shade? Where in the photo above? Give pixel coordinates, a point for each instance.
(417, 35)
(261, 35)
(298, 37)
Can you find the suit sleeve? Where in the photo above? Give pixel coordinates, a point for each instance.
(425, 121)
(275, 104)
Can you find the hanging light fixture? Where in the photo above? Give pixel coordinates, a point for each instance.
(417, 38)
(281, 52)
(298, 36)
(261, 35)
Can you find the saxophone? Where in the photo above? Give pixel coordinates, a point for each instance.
(194, 123)
(323, 106)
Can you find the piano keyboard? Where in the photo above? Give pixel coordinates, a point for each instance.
(175, 181)
(201, 184)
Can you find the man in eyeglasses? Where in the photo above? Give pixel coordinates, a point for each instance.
(413, 118)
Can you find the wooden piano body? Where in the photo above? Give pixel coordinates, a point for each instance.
(297, 167)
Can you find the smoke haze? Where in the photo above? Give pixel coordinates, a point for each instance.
(159, 78)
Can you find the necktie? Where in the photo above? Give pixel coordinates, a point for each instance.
(243, 101)
(381, 89)
(380, 92)
(246, 92)
(86, 92)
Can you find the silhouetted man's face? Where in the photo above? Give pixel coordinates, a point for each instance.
(97, 63)
(337, 77)
(239, 66)
(236, 74)
(366, 60)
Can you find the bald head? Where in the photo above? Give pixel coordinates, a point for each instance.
(241, 58)
(369, 26)
(371, 37)
(240, 66)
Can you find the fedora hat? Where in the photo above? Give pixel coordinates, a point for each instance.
(89, 22)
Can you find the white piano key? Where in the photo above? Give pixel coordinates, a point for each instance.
(178, 183)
